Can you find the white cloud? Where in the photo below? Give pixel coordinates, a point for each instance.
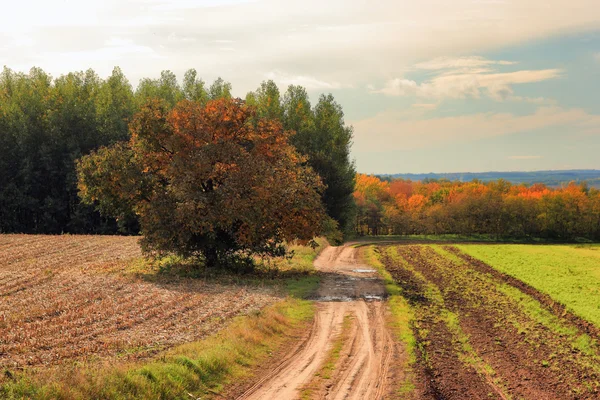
(347, 41)
(460, 63)
(309, 82)
(458, 78)
(398, 87)
(524, 157)
(425, 106)
(403, 130)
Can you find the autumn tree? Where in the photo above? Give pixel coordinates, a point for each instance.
(207, 180)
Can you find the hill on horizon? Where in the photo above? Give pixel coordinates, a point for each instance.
(549, 178)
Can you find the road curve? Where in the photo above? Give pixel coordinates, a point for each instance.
(363, 370)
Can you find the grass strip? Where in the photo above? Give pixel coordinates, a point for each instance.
(401, 319)
(330, 362)
(569, 274)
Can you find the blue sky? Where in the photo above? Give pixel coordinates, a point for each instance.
(434, 85)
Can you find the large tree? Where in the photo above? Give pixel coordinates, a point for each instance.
(207, 180)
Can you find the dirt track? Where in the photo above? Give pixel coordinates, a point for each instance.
(361, 367)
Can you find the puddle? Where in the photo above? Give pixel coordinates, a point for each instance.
(373, 297)
(364, 271)
(335, 298)
(365, 297)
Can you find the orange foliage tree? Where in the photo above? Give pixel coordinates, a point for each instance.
(208, 180)
(467, 208)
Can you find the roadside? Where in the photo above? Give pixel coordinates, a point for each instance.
(231, 349)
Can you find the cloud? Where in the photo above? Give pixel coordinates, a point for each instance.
(425, 106)
(405, 130)
(345, 41)
(524, 157)
(309, 82)
(467, 77)
(460, 63)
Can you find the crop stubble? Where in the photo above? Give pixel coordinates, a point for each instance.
(68, 298)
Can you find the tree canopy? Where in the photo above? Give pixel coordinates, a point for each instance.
(47, 123)
(321, 135)
(207, 180)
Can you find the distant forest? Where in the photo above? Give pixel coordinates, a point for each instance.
(549, 178)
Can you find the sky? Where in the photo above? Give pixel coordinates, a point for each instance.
(428, 85)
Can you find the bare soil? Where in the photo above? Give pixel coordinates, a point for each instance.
(524, 358)
(364, 369)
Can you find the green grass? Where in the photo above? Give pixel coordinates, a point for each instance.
(401, 320)
(456, 238)
(200, 369)
(570, 274)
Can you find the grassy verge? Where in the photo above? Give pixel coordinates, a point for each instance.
(401, 318)
(194, 370)
(330, 362)
(456, 238)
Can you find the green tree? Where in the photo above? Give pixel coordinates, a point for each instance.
(267, 101)
(328, 151)
(165, 88)
(220, 90)
(194, 88)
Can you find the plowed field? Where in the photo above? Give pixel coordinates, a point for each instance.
(481, 334)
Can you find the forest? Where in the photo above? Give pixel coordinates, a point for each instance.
(47, 124)
(498, 208)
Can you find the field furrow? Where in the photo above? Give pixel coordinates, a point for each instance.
(520, 347)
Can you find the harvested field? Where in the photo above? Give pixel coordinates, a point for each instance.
(480, 335)
(65, 298)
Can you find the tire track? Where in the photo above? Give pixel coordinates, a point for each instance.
(364, 367)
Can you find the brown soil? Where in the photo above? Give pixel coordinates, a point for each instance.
(440, 373)
(364, 369)
(547, 301)
(529, 360)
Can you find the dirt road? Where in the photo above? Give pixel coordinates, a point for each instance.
(349, 351)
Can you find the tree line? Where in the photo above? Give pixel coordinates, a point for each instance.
(47, 124)
(498, 208)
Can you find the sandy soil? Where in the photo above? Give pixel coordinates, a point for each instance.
(363, 367)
